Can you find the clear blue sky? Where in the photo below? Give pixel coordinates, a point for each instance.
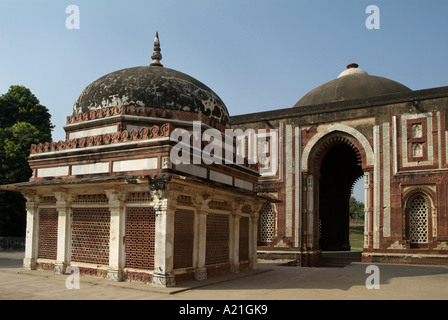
(256, 55)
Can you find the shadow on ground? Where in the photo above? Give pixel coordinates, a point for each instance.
(341, 271)
(276, 275)
(11, 259)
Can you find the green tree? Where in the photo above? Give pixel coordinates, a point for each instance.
(23, 121)
(19, 104)
(356, 209)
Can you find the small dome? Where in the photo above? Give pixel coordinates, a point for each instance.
(353, 83)
(152, 86)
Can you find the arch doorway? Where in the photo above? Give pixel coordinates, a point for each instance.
(333, 160)
(340, 167)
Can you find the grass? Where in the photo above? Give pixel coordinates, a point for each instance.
(356, 238)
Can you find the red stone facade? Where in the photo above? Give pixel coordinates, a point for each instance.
(398, 143)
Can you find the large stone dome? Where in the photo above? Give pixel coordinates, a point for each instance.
(152, 86)
(353, 83)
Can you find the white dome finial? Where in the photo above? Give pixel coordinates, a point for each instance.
(352, 68)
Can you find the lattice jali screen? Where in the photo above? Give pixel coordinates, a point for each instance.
(217, 241)
(140, 237)
(266, 223)
(90, 235)
(48, 233)
(418, 220)
(183, 239)
(244, 239)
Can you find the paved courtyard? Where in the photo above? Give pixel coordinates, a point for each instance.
(272, 281)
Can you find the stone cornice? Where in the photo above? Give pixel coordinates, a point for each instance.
(154, 113)
(105, 139)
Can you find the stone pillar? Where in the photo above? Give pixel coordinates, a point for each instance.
(253, 229)
(200, 237)
(367, 206)
(31, 237)
(165, 206)
(310, 211)
(235, 237)
(63, 201)
(116, 245)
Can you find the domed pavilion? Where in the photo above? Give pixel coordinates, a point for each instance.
(109, 200)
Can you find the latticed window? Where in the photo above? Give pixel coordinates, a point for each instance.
(217, 241)
(244, 239)
(418, 220)
(183, 239)
(140, 237)
(90, 235)
(266, 223)
(48, 233)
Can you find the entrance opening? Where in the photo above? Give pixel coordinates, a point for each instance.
(357, 212)
(340, 168)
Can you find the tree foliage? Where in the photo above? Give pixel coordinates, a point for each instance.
(356, 209)
(19, 104)
(23, 121)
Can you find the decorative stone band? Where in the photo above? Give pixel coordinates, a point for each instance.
(108, 138)
(108, 112)
(143, 112)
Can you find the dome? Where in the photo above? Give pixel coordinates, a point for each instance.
(353, 83)
(152, 86)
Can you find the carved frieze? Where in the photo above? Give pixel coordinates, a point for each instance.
(123, 136)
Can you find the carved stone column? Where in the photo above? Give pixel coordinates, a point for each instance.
(367, 206)
(200, 235)
(253, 229)
(63, 201)
(31, 237)
(235, 236)
(116, 245)
(310, 211)
(164, 204)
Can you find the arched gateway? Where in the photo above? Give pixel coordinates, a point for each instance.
(334, 164)
(357, 125)
(332, 161)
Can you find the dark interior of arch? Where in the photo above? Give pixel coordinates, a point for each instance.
(339, 170)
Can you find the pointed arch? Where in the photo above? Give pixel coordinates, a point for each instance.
(360, 139)
(333, 159)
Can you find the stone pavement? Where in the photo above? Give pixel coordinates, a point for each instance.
(272, 281)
